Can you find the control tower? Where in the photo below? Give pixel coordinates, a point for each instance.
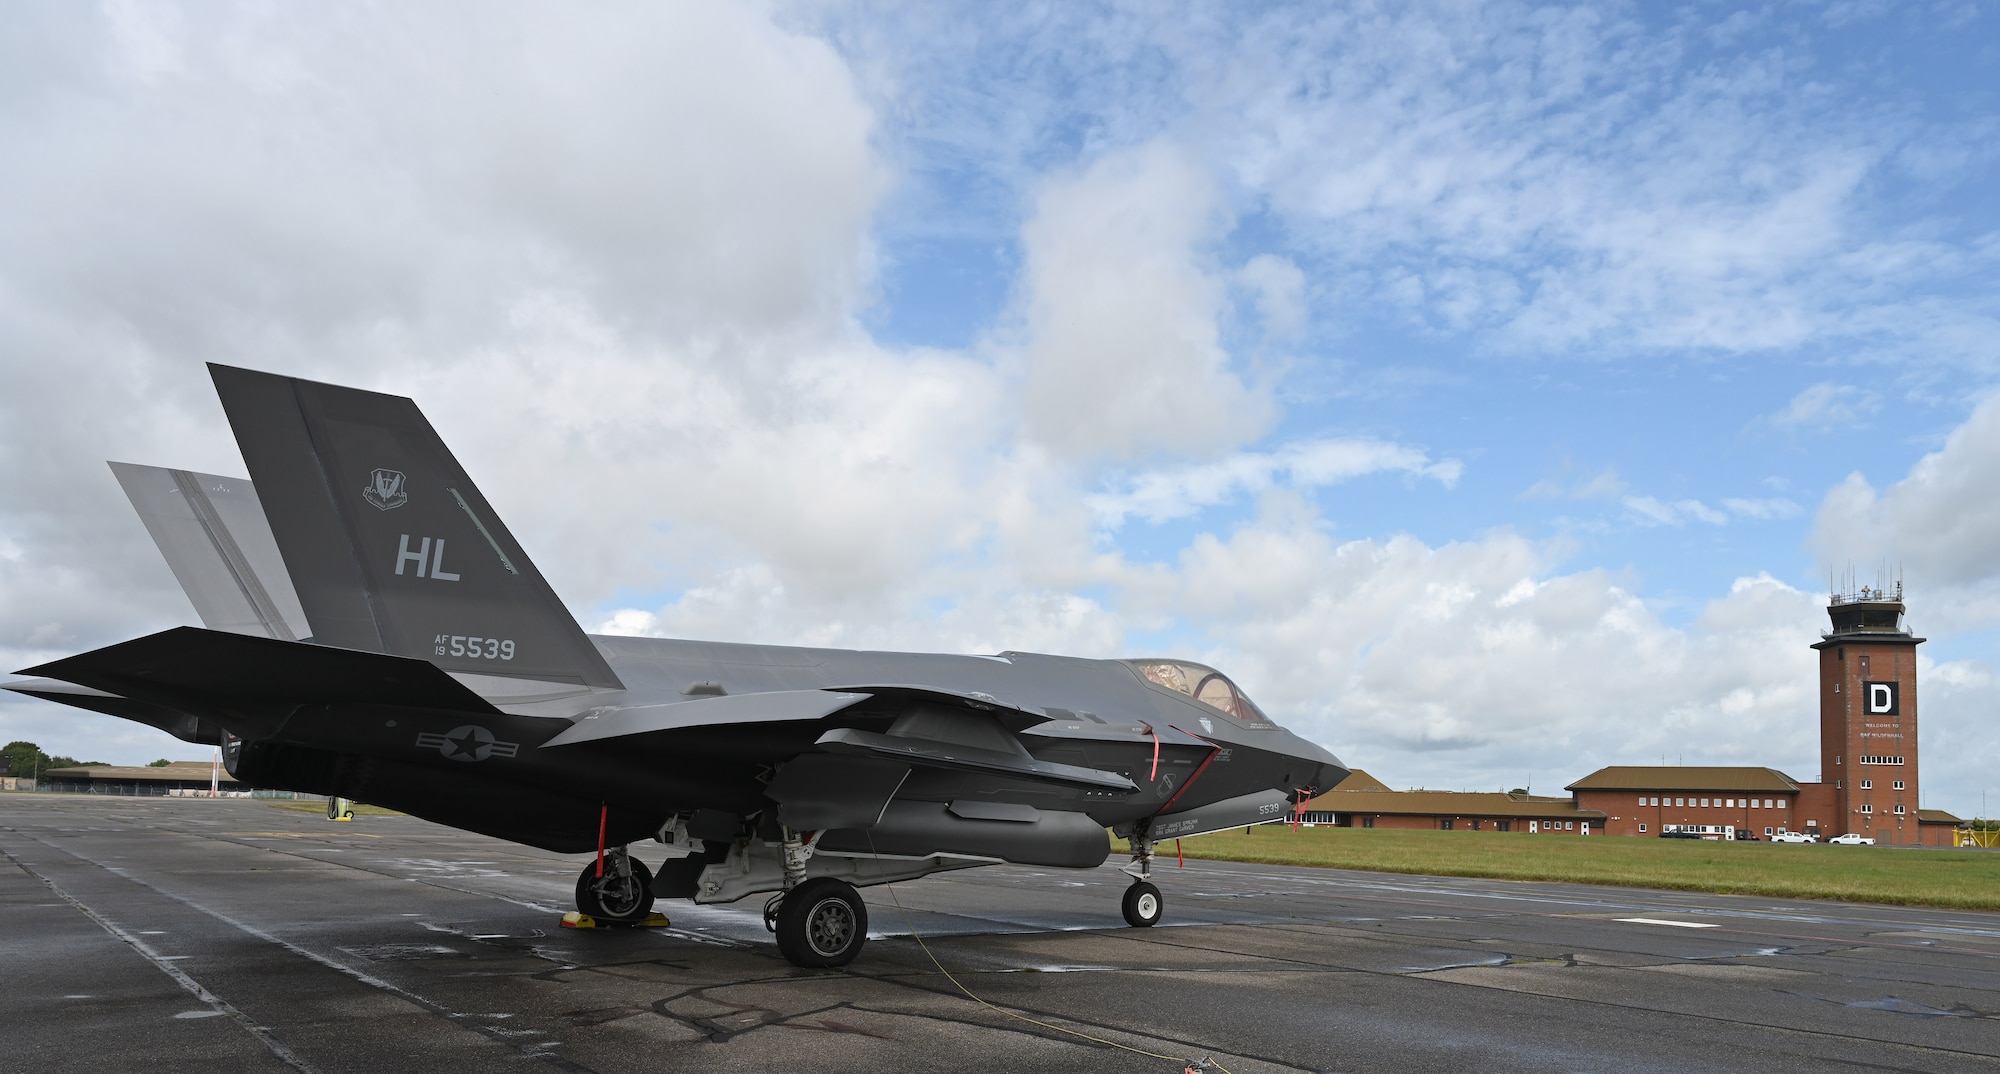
(1868, 716)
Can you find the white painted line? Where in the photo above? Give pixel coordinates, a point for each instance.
(1663, 921)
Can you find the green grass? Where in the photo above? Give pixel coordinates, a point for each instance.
(320, 808)
(1961, 879)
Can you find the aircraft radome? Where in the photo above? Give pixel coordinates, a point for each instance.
(374, 632)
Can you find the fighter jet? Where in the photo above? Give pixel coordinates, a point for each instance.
(374, 632)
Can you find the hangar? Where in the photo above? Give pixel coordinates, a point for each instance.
(177, 779)
(1362, 801)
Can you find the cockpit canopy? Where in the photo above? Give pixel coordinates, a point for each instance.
(1204, 684)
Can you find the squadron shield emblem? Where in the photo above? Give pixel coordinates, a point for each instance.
(385, 490)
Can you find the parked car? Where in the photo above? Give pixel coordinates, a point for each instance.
(1794, 837)
(1679, 835)
(1851, 839)
(1746, 834)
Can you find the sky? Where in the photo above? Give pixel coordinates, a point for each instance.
(1493, 390)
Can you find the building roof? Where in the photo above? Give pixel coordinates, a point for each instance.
(1937, 816)
(1358, 780)
(1449, 804)
(178, 771)
(1686, 778)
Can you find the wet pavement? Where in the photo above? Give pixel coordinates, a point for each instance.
(196, 935)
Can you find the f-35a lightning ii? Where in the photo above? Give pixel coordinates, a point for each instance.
(376, 633)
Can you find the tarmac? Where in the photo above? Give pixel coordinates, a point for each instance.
(169, 935)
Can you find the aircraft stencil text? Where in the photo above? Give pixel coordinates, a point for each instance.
(429, 554)
(476, 647)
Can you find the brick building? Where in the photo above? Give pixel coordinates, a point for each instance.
(1647, 800)
(1362, 801)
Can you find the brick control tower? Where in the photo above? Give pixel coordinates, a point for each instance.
(1868, 718)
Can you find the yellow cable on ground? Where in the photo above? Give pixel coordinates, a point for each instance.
(1012, 1014)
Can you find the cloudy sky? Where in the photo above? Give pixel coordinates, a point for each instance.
(1492, 389)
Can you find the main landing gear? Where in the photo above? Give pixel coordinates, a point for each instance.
(623, 895)
(1143, 904)
(820, 924)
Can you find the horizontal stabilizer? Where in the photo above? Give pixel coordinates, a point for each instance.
(191, 668)
(182, 725)
(769, 707)
(935, 754)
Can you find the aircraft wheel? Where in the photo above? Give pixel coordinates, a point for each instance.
(822, 923)
(615, 900)
(1143, 905)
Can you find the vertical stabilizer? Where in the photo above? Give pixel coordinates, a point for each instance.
(389, 544)
(212, 531)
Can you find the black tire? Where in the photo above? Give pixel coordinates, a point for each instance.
(1143, 905)
(613, 900)
(822, 923)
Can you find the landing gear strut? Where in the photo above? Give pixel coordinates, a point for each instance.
(821, 922)
(622, 896)
(1142, 904)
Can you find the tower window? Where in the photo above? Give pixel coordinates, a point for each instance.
(1899, 809)
(1899, 784)
(1866, 808)
(1867, 784)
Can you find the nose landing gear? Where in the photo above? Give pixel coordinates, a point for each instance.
(1143, 904)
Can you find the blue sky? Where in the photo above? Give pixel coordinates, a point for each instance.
(1896, 102)
(1490, 387)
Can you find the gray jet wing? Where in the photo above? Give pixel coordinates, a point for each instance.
(766, 707)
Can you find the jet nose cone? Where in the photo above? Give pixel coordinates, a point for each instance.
(1329, 776)
(1315, 753)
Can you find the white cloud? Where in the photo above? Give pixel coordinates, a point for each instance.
(1471, 663)
(1159, 495)
(1279, 291)
(1766, 509)
(1827, 406)
(1653, 511)
(1602, 485)
(1937, 526)
(1120, 308)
